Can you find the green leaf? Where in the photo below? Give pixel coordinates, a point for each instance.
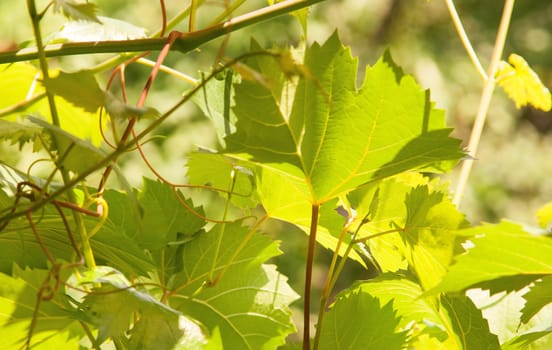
(77, 11)
(522, 84)
(116, 303)
(20, 79)
(18, 298)
(79, 88)
(523, 341)
(21, 133)
(121, 111)
(499, 250)
(430, 233)
(471, 328)
(216, 170)
(249, 304)
(78, 155)
(106, 29)
(339, 137)
(357, 320)
(538, 297)
(415, 311)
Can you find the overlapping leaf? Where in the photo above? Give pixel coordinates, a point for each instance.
(336, 136)
(358, 320)
(249, 305)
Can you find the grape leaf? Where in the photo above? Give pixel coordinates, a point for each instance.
(78, 155)
(357, 320)
(471, 328)
(79, 88)
(112, 306)
(414, 311)
(105, 29)
(249, 305)
(339, 137)
(499, 250)
(77, 11)
(522, 84)
(538, 296)
(18, 297)
(215, 170)
(21, 133)
(20, 79)
(522, 342)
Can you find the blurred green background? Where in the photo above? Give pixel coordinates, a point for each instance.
(511, 177)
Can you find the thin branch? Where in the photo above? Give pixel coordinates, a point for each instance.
(186, 43)
(485, 100)
(308, 276)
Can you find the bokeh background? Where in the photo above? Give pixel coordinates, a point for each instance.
(511, 177)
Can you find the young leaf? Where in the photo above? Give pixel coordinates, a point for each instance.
(538, 297)
(79, 88)
(339, 137)
(499, 250)
(472, 330)
(77, 11)
(522, 84)
(357, 320)
(544, 215)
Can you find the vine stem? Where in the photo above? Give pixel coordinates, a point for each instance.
(485, 100)
(79, 221)
(308, 275)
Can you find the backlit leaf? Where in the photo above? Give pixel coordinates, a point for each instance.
(338, 136)
(538, 296)
(471, 329)
(105, 29)
(78, 11)
(499, 250)
(21, 133)
(357, 320)
(522, 84)
(79, 88)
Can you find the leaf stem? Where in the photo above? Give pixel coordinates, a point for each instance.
(485, 100)
(465, 40)
(308, 275)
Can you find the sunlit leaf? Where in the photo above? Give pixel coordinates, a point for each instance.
(538, 297)
(523, 341)
(338, 136)
(104, 29)
(78, 155)
(249, 304)
(18, 298)
(21, 133)
(357, 320)
(472, 330)
(79, 88)
(522, 84)
(499, 250)
(21, 80)
(78, 11)
(544, 215)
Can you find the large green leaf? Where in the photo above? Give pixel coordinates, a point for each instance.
(357, 320)
(336, 136)
(249, 305)
(500, 250)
